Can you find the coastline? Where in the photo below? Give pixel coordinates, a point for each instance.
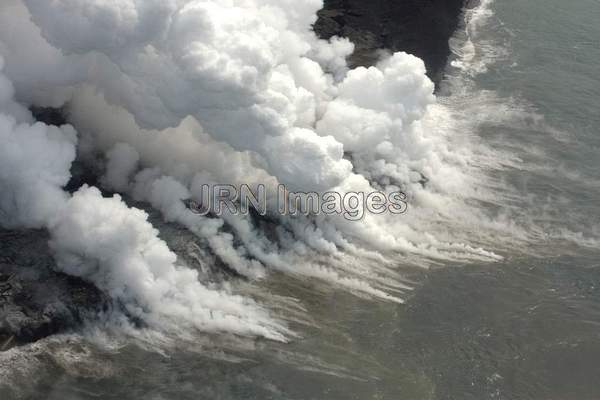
(38, 302)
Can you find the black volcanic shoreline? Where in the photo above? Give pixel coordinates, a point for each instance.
(419, 27)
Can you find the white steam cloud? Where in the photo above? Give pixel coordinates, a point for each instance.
(35, 160)
(114, 246)
(101, 239)
(170, 95)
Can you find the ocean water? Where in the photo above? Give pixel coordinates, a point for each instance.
(524, 78)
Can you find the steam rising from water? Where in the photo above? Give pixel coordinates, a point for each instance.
(168, 95)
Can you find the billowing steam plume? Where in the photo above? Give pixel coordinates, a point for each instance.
(166, 96)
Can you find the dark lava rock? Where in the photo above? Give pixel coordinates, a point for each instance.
(49, 115)
(35, 300)
(418, 27)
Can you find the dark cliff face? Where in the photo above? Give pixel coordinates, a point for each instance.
(419, 27)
